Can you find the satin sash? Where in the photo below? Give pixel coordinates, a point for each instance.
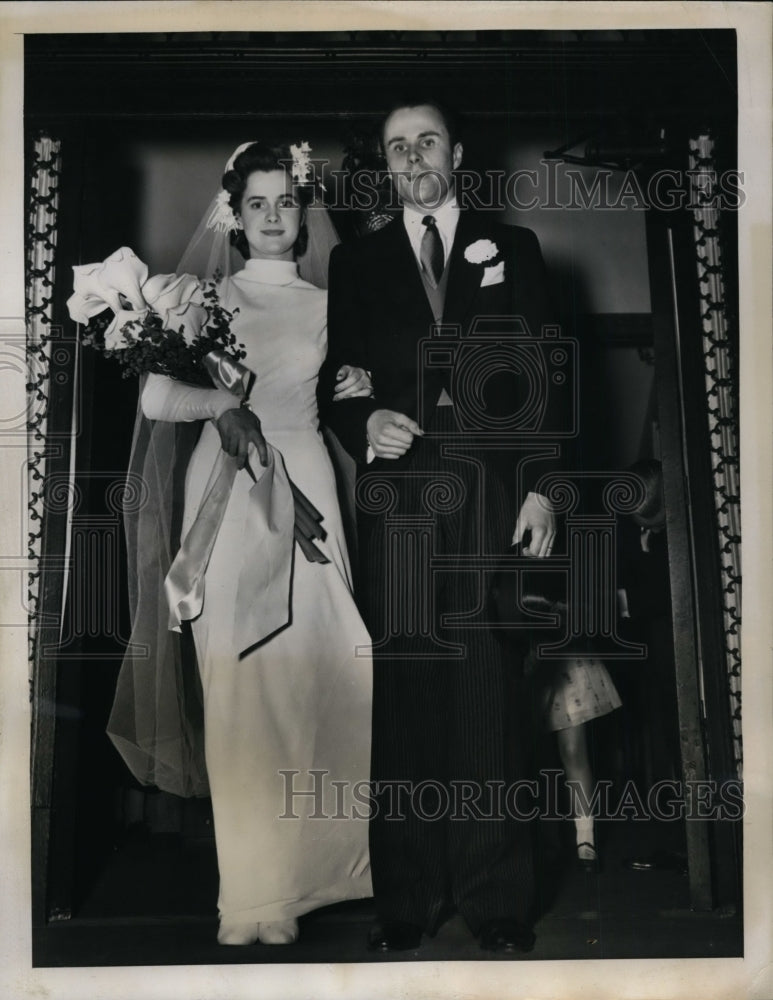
(263, 592)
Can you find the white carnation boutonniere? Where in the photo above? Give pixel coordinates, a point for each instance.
(480, 251)
(486, 252)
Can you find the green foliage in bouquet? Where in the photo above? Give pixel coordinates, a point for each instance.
(150, 347)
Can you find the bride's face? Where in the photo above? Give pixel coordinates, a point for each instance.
(271, 215)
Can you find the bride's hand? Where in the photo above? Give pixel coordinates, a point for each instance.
(352, 381)
(239, 428)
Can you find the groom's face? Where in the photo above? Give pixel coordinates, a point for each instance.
(420, 156)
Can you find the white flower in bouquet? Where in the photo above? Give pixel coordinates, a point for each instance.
(168, 323)
(166, 291)
(115, 283)
(121, 283)
(123, 330)
(179, 301)
(189, 318)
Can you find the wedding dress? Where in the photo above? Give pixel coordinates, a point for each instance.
(292, 716)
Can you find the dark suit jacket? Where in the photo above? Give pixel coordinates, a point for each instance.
(378, 312)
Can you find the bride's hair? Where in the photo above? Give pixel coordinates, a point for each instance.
(262, 158)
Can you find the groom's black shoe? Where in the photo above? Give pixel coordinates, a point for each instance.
(506, 935)
(394, 935)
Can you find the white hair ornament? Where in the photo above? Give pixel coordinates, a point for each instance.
(222, 218)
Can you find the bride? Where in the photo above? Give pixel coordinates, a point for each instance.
(286, 718)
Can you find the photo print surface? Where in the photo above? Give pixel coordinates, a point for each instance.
(315, 658)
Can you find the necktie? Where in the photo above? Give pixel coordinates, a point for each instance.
(431, 251)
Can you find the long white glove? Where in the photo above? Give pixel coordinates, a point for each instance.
(164, 398)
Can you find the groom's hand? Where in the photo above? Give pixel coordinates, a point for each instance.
(239, 428)
(536, 516)
(350, 382)
(391, 434)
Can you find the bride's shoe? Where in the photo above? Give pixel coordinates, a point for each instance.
(233, 933)
(278, 932)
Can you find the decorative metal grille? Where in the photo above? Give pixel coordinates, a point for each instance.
(40, 268)
(722, 412)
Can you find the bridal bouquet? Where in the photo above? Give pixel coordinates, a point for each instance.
(172, 325)
(166, 324)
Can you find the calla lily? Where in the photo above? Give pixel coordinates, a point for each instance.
(82, 307)
(167, 291)
(190, 316)
(121, 283)
(116, 338)
(113, 284)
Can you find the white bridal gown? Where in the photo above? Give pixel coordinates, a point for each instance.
(300, 702)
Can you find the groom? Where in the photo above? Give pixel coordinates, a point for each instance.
(439, 483)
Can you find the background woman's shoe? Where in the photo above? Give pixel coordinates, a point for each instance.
(239, 934)
(588, 857)
(278, 932)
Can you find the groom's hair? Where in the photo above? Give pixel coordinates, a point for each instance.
(449, 117)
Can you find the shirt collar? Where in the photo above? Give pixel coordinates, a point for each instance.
(446, 219)
(445, 216)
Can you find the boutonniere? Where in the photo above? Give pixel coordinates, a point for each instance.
(486, 252)
(480, 251)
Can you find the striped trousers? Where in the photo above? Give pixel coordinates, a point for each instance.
(451, 730)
